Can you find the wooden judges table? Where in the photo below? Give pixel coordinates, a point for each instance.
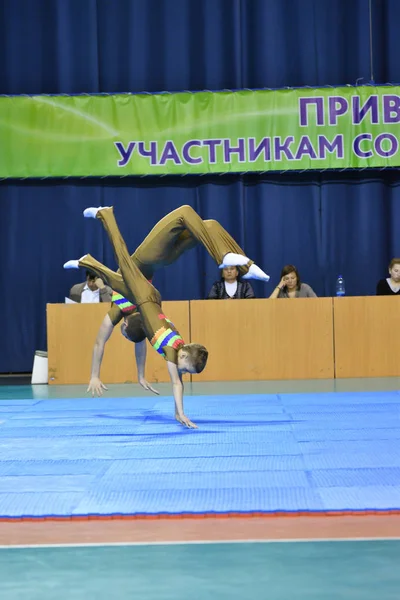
(72, 331)
(311, 338)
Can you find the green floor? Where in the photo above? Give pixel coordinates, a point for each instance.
(361, 570)
(44, 392)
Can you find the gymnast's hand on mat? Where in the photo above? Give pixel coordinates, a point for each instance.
(96, 387)
(185, 421)
(145, 384)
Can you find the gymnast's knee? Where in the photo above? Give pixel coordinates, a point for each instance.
(185, 210)
(211, 224)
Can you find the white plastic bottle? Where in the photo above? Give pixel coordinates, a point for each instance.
(340, 287)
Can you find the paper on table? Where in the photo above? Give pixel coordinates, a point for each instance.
(69, 301)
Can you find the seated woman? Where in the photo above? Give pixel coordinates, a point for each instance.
(290, 285)
(230, 287)
(391, 285)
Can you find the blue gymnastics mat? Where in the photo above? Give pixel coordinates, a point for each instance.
(254, 453)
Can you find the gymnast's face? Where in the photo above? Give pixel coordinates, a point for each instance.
(185, 364)
(123, 331)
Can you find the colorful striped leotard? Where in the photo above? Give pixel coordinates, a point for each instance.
(120, 308)
(123, 304)
(166, 337)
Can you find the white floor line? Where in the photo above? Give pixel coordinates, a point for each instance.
(194, 542)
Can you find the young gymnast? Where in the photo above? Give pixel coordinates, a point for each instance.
(132, 329)
(179, 231)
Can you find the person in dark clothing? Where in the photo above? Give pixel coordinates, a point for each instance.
(230, 287)
(391, 285)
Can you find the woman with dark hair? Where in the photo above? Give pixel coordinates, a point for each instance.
(230, 287)
(290, 285)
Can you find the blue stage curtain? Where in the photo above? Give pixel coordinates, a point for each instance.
(324, 224)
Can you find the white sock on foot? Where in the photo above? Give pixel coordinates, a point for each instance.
(234, 260)
(256, 273)
(73, 264)
(91, 212)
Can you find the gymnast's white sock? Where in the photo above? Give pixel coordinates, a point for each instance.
(91, 213)
(73, 264)
(256, 273)
(234, 260)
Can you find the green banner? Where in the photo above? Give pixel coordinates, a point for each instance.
(202, 132)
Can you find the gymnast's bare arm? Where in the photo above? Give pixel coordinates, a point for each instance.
(177, 390)
(140, 355)
(106, 329)
(96, 386)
